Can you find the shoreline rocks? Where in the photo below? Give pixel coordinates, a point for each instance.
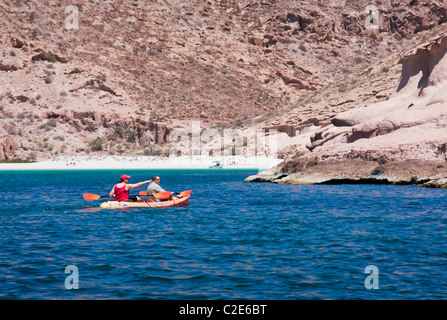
(356, 171)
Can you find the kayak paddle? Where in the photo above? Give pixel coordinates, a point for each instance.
(92, 196)
(160, 195)
(166, 194)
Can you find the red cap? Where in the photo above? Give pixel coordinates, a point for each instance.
(124, 177)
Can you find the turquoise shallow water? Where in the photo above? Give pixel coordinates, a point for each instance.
(234, 240)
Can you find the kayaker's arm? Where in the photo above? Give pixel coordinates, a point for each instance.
(112, 193)
(136, 185)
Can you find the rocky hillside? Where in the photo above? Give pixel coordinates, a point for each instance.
(132, 71)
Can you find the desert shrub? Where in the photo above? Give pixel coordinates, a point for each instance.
(20, 115)
(17, 160)
(238, 123)
(48, 79)
(342, 88)
(97, 144)
(102, 77)
(152, 152)
(113, 136)
(50, 124)
(51, 57)
(131, 136)
(119, 131)
(10, 129)
(359, 60)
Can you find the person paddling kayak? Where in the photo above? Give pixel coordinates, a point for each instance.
(120, 191)
(153, 188)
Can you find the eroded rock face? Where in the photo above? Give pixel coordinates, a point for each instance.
(7, 146)
(399, 141)
(410, 125)
(146, 131)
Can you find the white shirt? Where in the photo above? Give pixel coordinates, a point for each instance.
(154, 188)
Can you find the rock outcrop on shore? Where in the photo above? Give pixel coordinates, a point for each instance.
(399, 141)
(357, 171)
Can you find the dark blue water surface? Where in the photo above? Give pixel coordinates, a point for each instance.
(234, 240)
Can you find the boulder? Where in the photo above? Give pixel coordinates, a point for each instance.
(265, 176)
(8, 67)
(294, 82)
(437, 183)
(49, 56)
(17, 43)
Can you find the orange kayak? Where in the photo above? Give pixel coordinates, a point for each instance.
(121, 204)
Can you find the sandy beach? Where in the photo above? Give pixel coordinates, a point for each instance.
(143, 162)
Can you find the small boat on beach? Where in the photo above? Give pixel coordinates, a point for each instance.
(216, 165)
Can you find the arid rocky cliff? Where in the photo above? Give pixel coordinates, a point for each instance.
(132, 71)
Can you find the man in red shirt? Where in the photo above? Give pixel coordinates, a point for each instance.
(120, 191)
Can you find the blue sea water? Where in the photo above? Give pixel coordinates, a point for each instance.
(234, 240)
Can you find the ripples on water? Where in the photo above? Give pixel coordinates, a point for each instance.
(234, 240)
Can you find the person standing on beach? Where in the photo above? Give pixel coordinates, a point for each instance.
(120, 191)
(153, 188)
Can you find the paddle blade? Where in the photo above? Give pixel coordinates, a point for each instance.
(91, 196)
(185, 193)
(163, 195)
(143, 193)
